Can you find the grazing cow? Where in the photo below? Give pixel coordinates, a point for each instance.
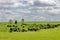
(41, 26)
(30, 29)
(11, 30)
(48, 26)
(23, 30)
(9, 25)
(56, 25)
(14, 30)
(35, 29)
(45, 27)
(23, 26)
(53, 26)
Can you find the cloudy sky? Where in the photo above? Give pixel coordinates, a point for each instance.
(30, 10)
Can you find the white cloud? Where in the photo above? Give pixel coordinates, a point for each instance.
(17, 4)
(26, 10)
(54, 11)
(9, 0)
(48, 1)
(39, 18)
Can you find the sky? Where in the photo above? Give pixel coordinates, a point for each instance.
(30, 10)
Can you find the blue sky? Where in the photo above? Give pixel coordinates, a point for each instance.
(30, 10)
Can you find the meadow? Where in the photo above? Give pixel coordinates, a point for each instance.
(42, 34)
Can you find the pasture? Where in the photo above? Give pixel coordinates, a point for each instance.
(42, 34)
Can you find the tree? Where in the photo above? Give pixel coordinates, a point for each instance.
(10, 21)
(15, 21)
(22, 21)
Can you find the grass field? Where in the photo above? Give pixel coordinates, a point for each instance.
(43, 34)
(49, 34)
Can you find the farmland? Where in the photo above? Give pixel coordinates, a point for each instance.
(41, 34)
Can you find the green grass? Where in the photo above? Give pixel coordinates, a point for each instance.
(47, 34)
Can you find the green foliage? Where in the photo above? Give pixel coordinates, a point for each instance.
(10, 21)
(15, 21)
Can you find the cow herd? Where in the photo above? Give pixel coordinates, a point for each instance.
(30, 27)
